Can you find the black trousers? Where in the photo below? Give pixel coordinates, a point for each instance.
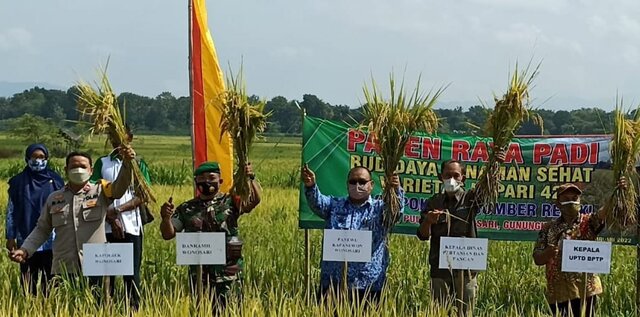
(131, 282)
(37, 269)
(574, 308)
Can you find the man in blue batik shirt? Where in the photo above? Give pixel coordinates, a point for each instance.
(358, 211)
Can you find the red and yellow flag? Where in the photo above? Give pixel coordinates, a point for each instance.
(206, 91)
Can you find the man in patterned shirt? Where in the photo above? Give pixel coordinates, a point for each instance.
(212, 211)
(358, 211)
(565, 289)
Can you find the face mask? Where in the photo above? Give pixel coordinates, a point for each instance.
(451, 185)
(78, 175)
(359, 192)
(571, 207)
(37, 165)
(208, 188)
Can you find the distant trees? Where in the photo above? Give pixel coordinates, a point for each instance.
(167, 114)
(35, 129)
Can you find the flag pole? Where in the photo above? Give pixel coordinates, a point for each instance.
(193, 125)
(193, 121)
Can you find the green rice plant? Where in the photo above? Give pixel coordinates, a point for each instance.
(100, 106)
(170, 174)
(242, 121)
(391, 122)
(625, 151)
(274, 252)
(13, 167)
(510, 111)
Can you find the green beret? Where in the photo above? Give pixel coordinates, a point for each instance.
(207, 167)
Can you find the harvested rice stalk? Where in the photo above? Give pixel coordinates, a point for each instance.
(243, 121)
(391, 122)
(505, 120)
(620, 208)
(100, 107)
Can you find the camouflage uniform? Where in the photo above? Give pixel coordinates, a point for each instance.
(217, 215)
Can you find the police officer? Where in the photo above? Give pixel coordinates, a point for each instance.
(77, 213)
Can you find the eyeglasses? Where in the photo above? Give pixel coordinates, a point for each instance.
(358, 181)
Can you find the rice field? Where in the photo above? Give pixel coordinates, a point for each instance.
(275, 258)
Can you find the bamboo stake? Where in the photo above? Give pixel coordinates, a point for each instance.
(345, 275)
(462, 311)
(199, 288)
(583, 301)
(637, 263)
(107, 289)
(307, 264)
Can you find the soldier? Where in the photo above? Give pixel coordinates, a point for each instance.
(77, 212)
(212, 211)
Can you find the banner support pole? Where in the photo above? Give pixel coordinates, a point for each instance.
(307, 264)
(637, 258)
(107, 289)
(307, 248)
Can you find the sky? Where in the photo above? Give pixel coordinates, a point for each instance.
(589, 49)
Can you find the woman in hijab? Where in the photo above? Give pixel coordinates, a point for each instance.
(28, 192)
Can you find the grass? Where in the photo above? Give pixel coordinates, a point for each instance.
(274, 253)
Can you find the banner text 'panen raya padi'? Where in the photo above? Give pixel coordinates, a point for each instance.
(533, 168)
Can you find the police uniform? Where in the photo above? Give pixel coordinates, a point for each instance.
(77, 218)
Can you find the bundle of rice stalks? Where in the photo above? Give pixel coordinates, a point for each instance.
(504, 121)
(620, 208)
(243, 121)
(100, 107)
(391, 122)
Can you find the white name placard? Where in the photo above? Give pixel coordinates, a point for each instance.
(346, 245)
(193, 248)
(586, 256)
(107, 259)
(463, 253)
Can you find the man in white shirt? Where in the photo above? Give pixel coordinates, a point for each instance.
(125, 224)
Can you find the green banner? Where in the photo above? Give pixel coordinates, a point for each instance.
(534, 166)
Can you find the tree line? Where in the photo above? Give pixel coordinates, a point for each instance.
(167, 114)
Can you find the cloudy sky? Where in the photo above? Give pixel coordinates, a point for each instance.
(590, 49)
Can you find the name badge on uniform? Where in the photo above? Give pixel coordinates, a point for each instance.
(55, 209)
(90, 203)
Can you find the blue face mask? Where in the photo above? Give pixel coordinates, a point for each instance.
(37, 165)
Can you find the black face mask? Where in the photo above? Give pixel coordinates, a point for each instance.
(207, 188)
